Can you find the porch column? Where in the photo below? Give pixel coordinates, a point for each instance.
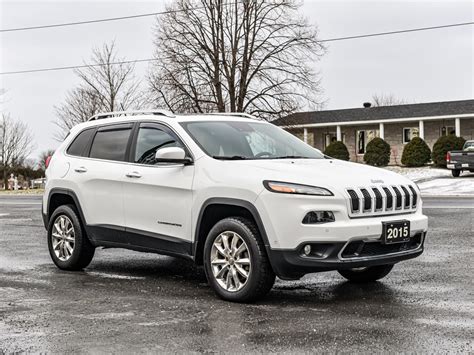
(338, 134)
(305, 135)
(457, 127)
(382, 130)
(421, 129)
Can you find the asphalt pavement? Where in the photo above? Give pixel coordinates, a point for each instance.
(134, 302)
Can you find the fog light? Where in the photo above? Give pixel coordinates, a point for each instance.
(307, 249)
(318, 217)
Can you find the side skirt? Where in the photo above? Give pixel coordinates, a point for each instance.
(127, 238)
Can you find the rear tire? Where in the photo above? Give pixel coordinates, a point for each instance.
(68, 245)
(456, 172)
(240, 272)
(369, 274)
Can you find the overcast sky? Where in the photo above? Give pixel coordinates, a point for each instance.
(418, 67)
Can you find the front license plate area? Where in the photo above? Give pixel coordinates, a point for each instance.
(395, 232)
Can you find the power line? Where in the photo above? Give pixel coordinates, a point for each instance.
(76, 66)
(107, 19)
(322, 41)
(397, 32)
(95, 21)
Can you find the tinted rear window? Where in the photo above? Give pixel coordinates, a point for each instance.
(110, 145)
(79, 145)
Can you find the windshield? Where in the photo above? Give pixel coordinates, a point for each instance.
(248, 140)
(469, 145)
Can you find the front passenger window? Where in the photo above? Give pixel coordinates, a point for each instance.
(149, 140)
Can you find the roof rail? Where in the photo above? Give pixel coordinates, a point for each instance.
(237, 114)
(103, 115)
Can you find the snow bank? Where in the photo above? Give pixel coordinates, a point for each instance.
(462, 186)
(438, 182)
(420, 174)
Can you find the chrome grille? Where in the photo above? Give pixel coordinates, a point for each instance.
(414, 197)
(378, 199)
(367, 200)
(381, 200)
(398, 198)
(389, 198)
(407, 196)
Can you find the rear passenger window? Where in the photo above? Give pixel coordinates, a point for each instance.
(110, 144)
(79, 145)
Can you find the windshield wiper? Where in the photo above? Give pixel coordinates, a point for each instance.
(290, 157)
(233, 157)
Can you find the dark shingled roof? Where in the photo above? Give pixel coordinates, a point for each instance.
(379, 113)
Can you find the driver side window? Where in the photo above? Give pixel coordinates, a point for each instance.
(149, 140)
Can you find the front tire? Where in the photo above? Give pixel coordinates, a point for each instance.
(236, 262)
(456, 172)
(68, 245)
(368, 274)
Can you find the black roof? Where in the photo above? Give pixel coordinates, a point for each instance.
(379, 113)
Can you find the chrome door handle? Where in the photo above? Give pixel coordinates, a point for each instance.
(134, 174)
(80, 170)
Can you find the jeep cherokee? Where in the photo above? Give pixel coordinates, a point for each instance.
(243, 198)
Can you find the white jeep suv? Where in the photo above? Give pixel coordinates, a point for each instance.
(241, 197)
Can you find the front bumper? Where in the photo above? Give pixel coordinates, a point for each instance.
(282, 216)
(357, 252)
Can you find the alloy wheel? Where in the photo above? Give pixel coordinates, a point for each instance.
(230, 261)
(63, 238)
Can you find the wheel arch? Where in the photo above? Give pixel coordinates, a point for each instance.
(59, 197)
(216, 209)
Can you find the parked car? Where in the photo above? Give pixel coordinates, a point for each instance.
(243, 198)
(461, 160)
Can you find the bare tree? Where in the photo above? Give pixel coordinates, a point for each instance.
(239, 56)
(114, 84)
(16, 143)
(105, 86)
(80, 104)
(387, 100)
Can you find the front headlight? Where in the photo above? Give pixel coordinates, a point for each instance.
(289, 188)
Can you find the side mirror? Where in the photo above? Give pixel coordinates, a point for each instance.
(172, 155)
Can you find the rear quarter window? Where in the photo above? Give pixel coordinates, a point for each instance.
(110, 144)
(79, 146)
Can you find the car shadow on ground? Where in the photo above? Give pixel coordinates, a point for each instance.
(176, 273)
(161, 267)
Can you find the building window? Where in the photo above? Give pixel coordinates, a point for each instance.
(363, 138)
(410, 133)
(332, 137)
(446, 130)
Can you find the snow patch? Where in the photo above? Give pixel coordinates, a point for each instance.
(450, 187)
(437, 182)
(420, 174)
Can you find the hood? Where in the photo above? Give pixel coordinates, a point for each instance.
(329, 173)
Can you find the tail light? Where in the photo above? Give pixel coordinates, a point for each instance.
(448, 156)
(48, 160)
